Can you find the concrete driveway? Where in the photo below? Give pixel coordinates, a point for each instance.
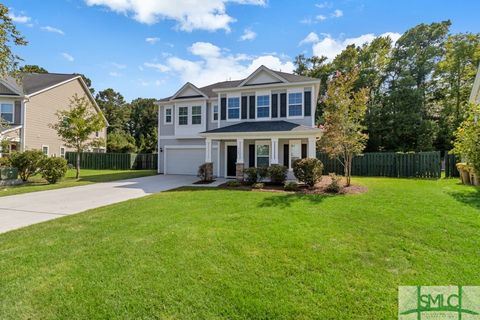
(25, 209)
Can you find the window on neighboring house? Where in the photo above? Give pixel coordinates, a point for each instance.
(295, 104)
(233, 108)
(6, 112)
(215, 112)
(196, 115)
(62, 152)
(183, 115)
(263, 155)
(45, 150)
(168, 115)
(97, 134)
(263, 106)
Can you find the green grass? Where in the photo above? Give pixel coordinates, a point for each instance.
(222, 254)
(87, 176)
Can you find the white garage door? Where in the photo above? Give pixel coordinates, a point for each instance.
(186, 160)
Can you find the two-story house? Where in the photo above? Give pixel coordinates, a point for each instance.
(28, 105)
(267, 118)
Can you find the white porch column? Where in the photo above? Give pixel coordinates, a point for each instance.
(208, 150)
(274, 151)
(240, 151)
(312, 147)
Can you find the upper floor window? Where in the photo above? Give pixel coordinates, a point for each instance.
(233, 108)
(196, 115)
(183, 115)
(215, 112)
(295, 104)
(168, 115)
(263, 106)
(6, 112)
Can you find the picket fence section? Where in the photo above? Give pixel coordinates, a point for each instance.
(389, 164)
(120, 161)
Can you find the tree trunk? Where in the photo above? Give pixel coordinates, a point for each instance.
(348, 169)
(77, 165)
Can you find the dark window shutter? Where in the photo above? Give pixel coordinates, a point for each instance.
(274, 105)
(223, 109)
(283, 105)
(252, 107)
(244, 107)
(307, 104)
(251, 155)
(304, 150)
(285, 155)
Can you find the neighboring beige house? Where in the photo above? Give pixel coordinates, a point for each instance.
(475, 95)
(29, 106)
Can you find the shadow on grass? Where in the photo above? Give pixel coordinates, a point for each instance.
(470, 197)
(111, 176)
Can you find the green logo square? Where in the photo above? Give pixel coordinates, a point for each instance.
(439, 302)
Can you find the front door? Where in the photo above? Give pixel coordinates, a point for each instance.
(231, 161)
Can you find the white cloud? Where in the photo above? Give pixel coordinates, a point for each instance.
(337, 13)
(208, 15)
(20, 18)
(212, 64)
(324, 5)
(321, 17)
(114, 74)
(312, 37)
(152, 40)
(68, 57)
(158, 66)
(119, 65)
(54, 30)
(331, 47)
(248, 34)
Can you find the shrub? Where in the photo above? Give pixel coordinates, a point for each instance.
(308, 171)
(203, 172)
(262, 173)
(291, 186)
(53, 169)
(251, 175)
(277, 173)
(233, 183)
(28, 162)
(258, 185)
(5, 162)
(334, 186)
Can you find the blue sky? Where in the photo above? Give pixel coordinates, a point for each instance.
(150, 48)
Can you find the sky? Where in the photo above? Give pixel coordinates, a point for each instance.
(150, 48)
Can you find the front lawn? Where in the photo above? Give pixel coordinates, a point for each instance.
(223, 254)
(87, 176)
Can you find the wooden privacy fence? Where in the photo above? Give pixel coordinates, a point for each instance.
(451, 161)
(121, 161)
(389, 164)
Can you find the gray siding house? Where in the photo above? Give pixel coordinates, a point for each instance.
(267, 118)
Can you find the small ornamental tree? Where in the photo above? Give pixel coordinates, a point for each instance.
(467, 138)
(344, 113)
(77, 126)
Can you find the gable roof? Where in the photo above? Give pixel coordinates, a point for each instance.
(30, 83)
(209, 91)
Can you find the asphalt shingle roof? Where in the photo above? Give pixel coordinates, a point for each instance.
(32, 82)
(262, 126)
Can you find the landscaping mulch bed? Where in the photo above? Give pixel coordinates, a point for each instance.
(204, 182)
(320, 188)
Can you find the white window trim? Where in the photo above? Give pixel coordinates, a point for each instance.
(239, 109)
(218, 112)
(301, 91)
(48, 149)
(178, 116)
(263, 93)
(191, 115)
(13, 109)
(290, 143)
(64, 152)
(165, 115)
(262, 143)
